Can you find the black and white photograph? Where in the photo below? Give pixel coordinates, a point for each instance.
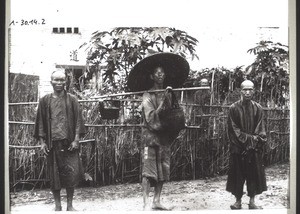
(91, 87)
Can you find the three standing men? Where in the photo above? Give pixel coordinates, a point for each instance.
(58, 126)
(247, 135)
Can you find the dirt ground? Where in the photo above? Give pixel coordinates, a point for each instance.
(194, 195)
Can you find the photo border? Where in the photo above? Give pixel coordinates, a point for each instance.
(293, 48)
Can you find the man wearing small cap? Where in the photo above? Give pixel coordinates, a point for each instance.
(247, 135)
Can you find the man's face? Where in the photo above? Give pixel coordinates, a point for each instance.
(247, 93)
(158, 75)
(58, 81)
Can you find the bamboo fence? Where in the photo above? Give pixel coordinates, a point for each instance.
(110, 151)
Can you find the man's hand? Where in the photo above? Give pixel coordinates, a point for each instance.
(169, 88)
(44, 147)
(258, 141)
(74, 145)
(262, 139)
(253, 142)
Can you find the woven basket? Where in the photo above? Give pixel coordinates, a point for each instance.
(109, 109)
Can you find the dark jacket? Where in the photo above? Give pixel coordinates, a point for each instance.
(75, 123)
(245, 122)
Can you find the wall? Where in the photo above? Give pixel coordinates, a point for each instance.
(37, 51)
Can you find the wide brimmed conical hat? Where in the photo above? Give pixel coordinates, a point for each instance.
(175, 66)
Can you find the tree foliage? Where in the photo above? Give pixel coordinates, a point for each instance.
(112, 54)
(223, 82)
(270, 72)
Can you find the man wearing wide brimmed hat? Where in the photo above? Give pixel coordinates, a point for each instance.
(156, 72)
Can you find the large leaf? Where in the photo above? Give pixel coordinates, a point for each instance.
(120, 49)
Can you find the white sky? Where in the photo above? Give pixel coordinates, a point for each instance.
(226, 29)
(160, 12)
(217, 17)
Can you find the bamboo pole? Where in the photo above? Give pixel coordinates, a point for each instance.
(99, 125)
(23, 103)
(21, 122)
(114, 125)
(120, 94)
(24, 147)
(37, 147)
(149, 91)
(87, 125)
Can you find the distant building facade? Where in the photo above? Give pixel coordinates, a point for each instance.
(37, 51)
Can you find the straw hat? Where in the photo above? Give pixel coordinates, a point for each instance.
(175, 66)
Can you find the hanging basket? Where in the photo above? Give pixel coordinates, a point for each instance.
(109, 109)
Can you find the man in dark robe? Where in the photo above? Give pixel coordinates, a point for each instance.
(58, 127)
(247, 136)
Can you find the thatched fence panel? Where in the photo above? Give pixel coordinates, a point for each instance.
(110, 151)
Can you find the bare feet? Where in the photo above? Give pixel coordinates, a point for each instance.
(236, 206)
(58, 208)
(71, 208)
(146, 208)
(252, 206)
(158, 206)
